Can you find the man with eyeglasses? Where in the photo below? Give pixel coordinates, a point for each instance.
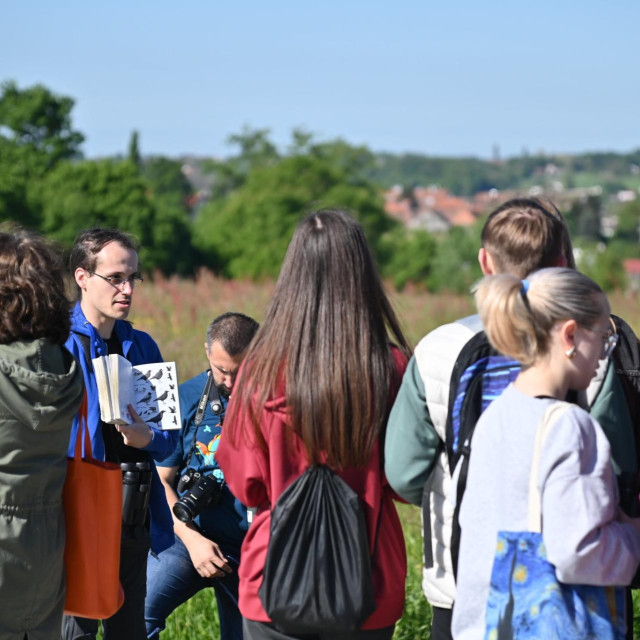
(209, 530)
(104, 264)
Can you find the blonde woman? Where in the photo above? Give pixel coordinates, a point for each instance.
(557, 325)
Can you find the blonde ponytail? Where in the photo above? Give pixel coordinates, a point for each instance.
(518, 318)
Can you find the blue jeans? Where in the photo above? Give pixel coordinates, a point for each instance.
(172, 580)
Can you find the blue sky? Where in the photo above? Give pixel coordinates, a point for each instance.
(440, 78)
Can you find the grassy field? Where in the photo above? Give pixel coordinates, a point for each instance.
(177, 312)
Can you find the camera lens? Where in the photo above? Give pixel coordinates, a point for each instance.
(207, 490)
(183, 511)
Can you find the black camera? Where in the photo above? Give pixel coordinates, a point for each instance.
(202, 490)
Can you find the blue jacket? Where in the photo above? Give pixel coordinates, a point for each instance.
(139, 348)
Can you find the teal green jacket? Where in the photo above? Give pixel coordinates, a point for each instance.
(40, 391)
(609, 408)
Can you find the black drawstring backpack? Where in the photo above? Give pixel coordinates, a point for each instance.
(318, 574)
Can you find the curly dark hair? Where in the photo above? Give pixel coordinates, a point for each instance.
(33, 303)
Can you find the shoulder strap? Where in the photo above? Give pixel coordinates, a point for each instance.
(470, 393)
(479, 375)
(85, 341)
(551, 416)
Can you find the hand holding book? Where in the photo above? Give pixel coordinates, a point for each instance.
(137, 434)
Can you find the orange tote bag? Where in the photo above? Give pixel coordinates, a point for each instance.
(93, 514)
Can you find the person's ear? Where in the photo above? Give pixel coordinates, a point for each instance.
(568, 335)
(561, 261)
(81, 276)
(486, 262)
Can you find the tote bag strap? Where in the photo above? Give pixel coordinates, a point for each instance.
(83, 432)
(552, 414)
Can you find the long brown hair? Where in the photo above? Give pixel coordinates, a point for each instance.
(326, 335)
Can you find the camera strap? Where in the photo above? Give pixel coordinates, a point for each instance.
(210, 394)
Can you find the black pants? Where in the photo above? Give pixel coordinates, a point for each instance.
(128, 622)
(264, 631)
(441, 623)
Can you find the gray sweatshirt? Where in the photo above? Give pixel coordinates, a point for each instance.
(578, 499)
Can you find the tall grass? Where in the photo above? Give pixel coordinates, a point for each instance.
(177, 312)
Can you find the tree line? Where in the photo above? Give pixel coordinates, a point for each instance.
(257, 195)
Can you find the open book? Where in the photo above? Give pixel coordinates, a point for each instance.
(151, 388)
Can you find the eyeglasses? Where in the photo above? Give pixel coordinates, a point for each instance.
(117, 281)
(609, 339)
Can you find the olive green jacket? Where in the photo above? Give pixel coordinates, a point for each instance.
(40, 391)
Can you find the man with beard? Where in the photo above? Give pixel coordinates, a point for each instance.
(209, 523)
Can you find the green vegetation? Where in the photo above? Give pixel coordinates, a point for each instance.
(198, 617)
(256, 198)
(236, 215)
(177, 311)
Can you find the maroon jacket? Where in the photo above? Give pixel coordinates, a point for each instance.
(257, 478)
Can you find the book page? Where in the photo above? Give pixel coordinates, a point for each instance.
(104, 394)
(123, 392)
(115, 388)
(155, 389)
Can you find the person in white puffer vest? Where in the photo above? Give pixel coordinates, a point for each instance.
(519, 237)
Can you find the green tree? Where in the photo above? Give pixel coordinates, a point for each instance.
(20, 169)
(589, 219)
(134, 149)
(455, 266)
(35, 134)
(602, 264)
(408, 256)
(300, 142)
(167, 181)
(628, 229)
(255, 150)
(248, 232)
(76, 196)
(356, 161)
(169, 191)
(40, 120)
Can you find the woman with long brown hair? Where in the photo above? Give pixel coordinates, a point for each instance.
(316, 387)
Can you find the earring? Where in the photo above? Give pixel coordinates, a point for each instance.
(570, 353)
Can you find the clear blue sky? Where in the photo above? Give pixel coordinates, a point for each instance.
(441, 78)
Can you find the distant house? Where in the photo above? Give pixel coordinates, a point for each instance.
(432, 209)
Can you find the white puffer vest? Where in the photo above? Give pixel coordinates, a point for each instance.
(436, 355)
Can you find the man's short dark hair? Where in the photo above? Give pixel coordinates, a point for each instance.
(90, 242)
(234, 331)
